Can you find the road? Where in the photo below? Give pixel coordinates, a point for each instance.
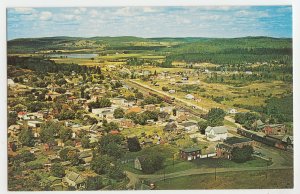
(136, 178)
(185, 102)
(279, 162)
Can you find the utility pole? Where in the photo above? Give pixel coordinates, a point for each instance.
(215, 173)
(173, 159)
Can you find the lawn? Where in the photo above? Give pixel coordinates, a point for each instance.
(232, 180)
(147, 129)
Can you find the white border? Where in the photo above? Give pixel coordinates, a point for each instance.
(93, 3)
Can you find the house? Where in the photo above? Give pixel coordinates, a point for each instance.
(35, 150)
(171, 126)
(135, 109)
(126, 123)
(147, 141)
(172, 91)
(10, 82)
(75, 180)
(150, 107)
(275, 129)
(218, 133)
(86, 156)
(138, 162)
(258, 125)
(190, 126)
(54, 182)
(288, 140)
(189, 96)
(118, 101)
(223, 150)
(34, 124)
(232, 111)
(190, 153)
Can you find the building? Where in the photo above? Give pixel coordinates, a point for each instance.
(150, 107)
(34, 124)
(232, 111)
(258, 125)
(138, 162)
(190, 126)
(75, 180)
(223, 150)
(126, 123)
(218, 133)
(189, 96)
(171, 126)
(275, 129)
(190, 153)
(135, 109)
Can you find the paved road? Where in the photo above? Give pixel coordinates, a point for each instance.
(133, 180)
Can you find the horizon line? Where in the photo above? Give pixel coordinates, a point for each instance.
(283, 37)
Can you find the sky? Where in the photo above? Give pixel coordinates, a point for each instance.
(214, 21)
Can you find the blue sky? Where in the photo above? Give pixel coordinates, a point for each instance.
(216, 21)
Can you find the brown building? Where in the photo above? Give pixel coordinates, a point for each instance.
(223, 150)
(190, 153)
(275, 129)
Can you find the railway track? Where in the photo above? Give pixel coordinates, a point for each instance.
(178, 104)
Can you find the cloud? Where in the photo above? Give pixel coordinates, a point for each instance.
(45, 15)
(80, 10)
(150, 9)
(24, 10)
(93, 13)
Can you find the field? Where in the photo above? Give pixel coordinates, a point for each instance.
(271, 179)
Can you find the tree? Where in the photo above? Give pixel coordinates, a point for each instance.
(202, 126)
(65, 133)
(133, 144)
(94, 183)
(115, 171)
(215, 117)
(111, 126)
(139, 95)
(12, 118)
(48, 131)
(152, 162)
(242, 154)
(100, 103)
(111, 145)
(26, 137)
(100, 164)
(119, 113)
(63, 153)
(66, 115)
(57, 170)
(85, 142)
(164, 88)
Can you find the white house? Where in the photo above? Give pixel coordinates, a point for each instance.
(218, 133)
(189, 96)
(171, 91)
(232, 111)
(34, 124)
(10, 82)
(190, 126)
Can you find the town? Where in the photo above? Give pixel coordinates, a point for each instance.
(116, 126)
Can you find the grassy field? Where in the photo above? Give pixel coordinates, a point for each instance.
(232, 180)
(181, 165)
(251, 92)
